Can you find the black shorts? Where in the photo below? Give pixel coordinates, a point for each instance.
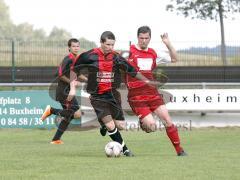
(107, 104)
(62, 91)
(74, 106)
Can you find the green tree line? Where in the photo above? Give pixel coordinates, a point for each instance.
(26, 32)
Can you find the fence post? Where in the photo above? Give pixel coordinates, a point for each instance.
(13, 64)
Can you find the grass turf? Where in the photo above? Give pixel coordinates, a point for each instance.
(27, 154)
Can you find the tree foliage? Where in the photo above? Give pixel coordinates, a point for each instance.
(59, 34)
(6, 25)
(26, 31)
(208, 9)
(86, 44)
(205, 9)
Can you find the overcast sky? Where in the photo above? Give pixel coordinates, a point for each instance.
(89, 18)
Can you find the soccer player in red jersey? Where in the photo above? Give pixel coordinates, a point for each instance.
(144, 99)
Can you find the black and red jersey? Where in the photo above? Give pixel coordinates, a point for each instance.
(66, 64)
(104, 73)
(64, 69)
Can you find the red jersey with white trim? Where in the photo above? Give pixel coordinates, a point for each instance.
(145, 62)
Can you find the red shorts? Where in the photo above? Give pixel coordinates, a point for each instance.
(144, 105)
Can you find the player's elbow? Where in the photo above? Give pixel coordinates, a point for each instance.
(120, 125)
(174, 60)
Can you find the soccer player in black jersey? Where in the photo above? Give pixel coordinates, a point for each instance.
(70, 110)
(104, 77)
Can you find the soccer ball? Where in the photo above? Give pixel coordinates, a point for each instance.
(113, 149)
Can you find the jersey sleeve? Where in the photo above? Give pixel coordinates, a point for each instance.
(63, 67)
(127, 67)
(163, 58)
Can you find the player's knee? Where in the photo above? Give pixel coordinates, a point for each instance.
(149, 127)
(109, 125)
(152, 127)
(120, 125)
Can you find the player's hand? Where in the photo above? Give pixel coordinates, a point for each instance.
(155, 83)
(165, 38)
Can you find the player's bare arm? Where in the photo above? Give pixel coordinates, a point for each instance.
(141, 77)
(83, 78)
(65, 79)
(73, 84)
(171, 49)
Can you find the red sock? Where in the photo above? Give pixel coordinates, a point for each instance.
(172, 133)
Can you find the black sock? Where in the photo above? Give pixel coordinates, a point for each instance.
(55, 111)
(61, 129)
(116, 136)
(67, 113)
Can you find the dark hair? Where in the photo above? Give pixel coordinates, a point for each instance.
(144, 29)
(73, 40)
(107, 35)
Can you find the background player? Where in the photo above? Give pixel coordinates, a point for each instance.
(70, 110)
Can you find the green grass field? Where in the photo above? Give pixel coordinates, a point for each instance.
(27, 154)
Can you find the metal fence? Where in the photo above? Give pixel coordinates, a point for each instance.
(50, 53)
(32, 53)
(36, 61)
